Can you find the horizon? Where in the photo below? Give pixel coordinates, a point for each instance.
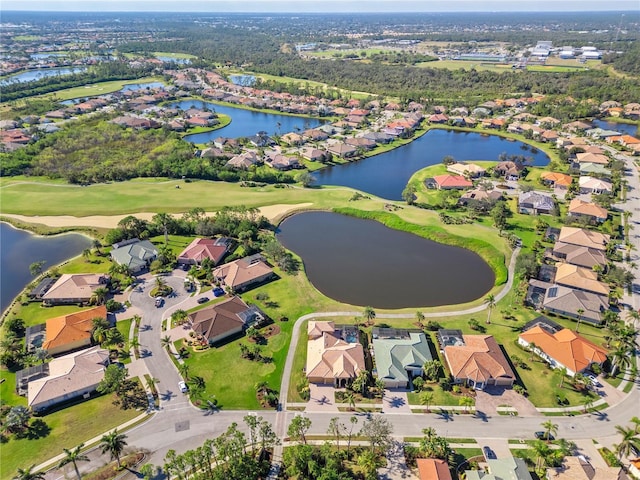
(306, 6)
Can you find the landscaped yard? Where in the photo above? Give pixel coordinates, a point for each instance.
(68, 428)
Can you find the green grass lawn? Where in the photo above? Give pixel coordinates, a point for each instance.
(69, 427)
(174, 55)
(299, 363)
(124, 326)
(34, 313)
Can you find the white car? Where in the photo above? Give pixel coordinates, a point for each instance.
(183, 387)
(593, 379)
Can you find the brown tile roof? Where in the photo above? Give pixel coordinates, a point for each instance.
(566, 347)
(240, 272)
(452, 181)
(479, 359)
(580, 207)
(219, 319)
(592, 158)
(581, 278)
(75, 286)
(433, 469)
(558, 179)
(581, 256)
(583, 238)
(71, 328)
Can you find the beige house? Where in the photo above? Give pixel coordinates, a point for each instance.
(224, 319)
(243, 273)
(579, 208)
(580, 278)
(74, 288)
(330, 359)
(68, 377)
(583, 238)
(469, 170)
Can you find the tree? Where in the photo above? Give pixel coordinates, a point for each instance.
(28, 474)
(351, 399)
(466, 402)
(74, 456)
(353, 422)
(179, 317)
(183, 368)
(163, 221)
(298, 428)
(409, 194)
(426, 398)
(377, 430)
(629, 443)
(100, 295)
(432, 369)
(579, 312)
(113, 443)
(542, 451)
(113, 380)
(336, 429)
(36, 268)
(370, 314)
(550, 428)
(420, 318)
(305, 178)
(368, 461)
(17, 419)
(361, 382)
(563, 374)
(490, 302)
(620, 359)
(166, 342)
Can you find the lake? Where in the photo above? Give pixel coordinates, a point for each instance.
(19, 249)
(39, 73)
(141, 86)
(623, 128)
(180, 61)
(362, 262)
(245, 123)
(387, 174)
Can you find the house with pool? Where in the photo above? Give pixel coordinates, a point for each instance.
(399, 356)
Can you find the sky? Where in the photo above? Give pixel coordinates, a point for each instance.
(305, 6)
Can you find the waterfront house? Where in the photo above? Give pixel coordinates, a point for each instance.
(243, 273)
(72, 331)
(399, 356)
(136, 254)
(201, 248)
(74, 288)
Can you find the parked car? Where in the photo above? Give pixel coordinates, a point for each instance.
(488, 453)
(543, 436)
(593, 379)
(183, 387)
(202, 300)
(159, 302)
(218, 292)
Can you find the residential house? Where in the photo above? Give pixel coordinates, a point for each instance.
(313, 154)
(578, 468)
(292, 138)
(568, 301)
(72, 331)
(451, 182)
(315, 135)
(241, 274)
(535, 203)
(331, 359)
(283, 162)
(581, 209)
(433, 469)
(70, 376)
(594, 185)
(399, 356)
(509, 170)
(467, 170)
(244, 161)
(563, 349)
(222, 320)
(581, 256)
(136, 254)
(342, 150)
(583, 238)
(378, 137)
(201, 248)
(479, 198)
(360, 142)
(587, 157)
(478, 362)
(511, 468)
(594, 169)
(579, 278)
(556, 180)
(438, 118)
(74, 288)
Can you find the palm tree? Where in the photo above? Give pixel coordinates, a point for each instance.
(113, 443)
(579, 312)
(86, 253)
(466, 402)
(426, 398)
(629, 443)
(550, 428)
(367, 461)
(420, 318)
(563, 374)
(74, 456)
(542, 451)
(166, 342)
(163, 220)
(28, 474)
(183, 368)
(490, 302)
(620, 360)
(100, 295)
(532, 348)
(351, 399)
(370, 314)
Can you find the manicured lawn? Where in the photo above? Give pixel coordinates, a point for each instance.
(177, 243)
(34, 313)
(123, 327)
(173, 55)
(297, 370)
(8, 389)
(95, 89)
(69, 427)
(440, 397)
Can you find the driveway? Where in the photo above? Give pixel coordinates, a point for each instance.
(396, 467)
(395, 401)
(488, 401)
(322, 399)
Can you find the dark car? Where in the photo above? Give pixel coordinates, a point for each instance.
(488, 453)
(218, 292)
(203, 300)
(543, 436)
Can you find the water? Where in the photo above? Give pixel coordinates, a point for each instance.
(387, 174)
(362, 262)
(180, 61)
(245, 123)
(141, 86)
(243, 80)
(40, 56)
(19, 249)
(37, 74)
(623, 128)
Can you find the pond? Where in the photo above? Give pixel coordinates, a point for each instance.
(179, 61)
(141, 86)
(387, 174)
(19, 249)
(362, 262)
(623, 128)
(245, 123)
(243, 80)
(40, 73)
